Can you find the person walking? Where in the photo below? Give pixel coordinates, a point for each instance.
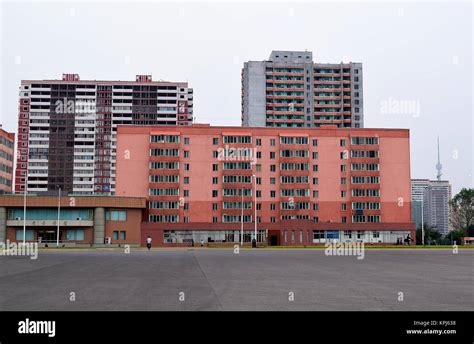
(148, 242)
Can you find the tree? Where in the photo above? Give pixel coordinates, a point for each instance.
(432, 235)
(462, 211)
(456, 236)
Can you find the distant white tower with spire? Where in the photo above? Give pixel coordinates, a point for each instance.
(439, 167)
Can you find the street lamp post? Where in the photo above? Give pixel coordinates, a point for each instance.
(59, 212)
(422, 223)
(242, 218)
(255, 184)
(24, 214)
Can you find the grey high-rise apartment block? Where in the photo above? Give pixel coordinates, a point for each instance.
(418, 187)
(290, 90)
(432, 197)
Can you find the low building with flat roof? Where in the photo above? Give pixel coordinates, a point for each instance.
(83, 220)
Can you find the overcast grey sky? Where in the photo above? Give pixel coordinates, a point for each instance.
(413, 54)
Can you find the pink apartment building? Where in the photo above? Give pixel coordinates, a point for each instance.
(306, 186)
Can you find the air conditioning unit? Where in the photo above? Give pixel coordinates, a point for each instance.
(18, 218)
(79, 218)
(108, 240)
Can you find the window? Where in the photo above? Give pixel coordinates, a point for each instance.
(290, 140)
(186, 154)
(315, 168)
(123, 235)
(186, 193)
(315, 142)
(116, 215)
(342, 142)
(214, 206)
(315, 155)
(215, 141)
(186, 140)
(272, 180)
(164, 139)
(272, 168)
(343, 181)
(215, 167)
(272, 155)
(115, 235)
(215, 193)
(272, 142)
(317, 235)
(237, 139)
(292, 236)
(75, 234)
(272, 194)
(343, 168)
(186, 180)
(258, 142)
(373, 218)
(364, 140)
(186, 167)
(30, 234)
(258, 167)
(343, 206)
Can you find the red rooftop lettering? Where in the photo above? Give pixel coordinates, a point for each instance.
(143, 78)
(70, 77)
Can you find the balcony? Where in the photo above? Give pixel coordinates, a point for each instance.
(285, 89)
(289, 74)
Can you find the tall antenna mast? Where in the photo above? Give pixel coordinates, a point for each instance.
(438, 165)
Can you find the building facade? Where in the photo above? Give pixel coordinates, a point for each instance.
(432, 197)
(302, 186)
(67, 128)
(7, 147)
(83, 220)
(418, 187)
(290, 90)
